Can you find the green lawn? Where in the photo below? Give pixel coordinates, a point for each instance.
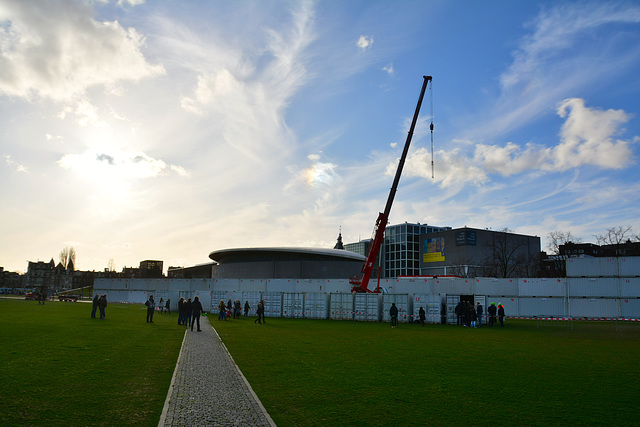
(59, 367)
(316, 372)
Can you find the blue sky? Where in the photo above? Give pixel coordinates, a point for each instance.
(135, 130)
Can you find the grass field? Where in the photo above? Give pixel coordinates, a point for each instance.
(316, 372)
(59, 367)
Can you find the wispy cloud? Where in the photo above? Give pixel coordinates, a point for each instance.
(15, 166)
(364, 42)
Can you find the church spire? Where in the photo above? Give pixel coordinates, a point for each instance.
(339, 244)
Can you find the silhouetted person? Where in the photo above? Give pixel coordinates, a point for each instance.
(492, 313)
(196, 309)
(102, 305)
(422, 316)
(94, 307)
(501, 314)
(393, 313)
(151, 306)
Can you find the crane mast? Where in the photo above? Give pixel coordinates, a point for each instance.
(362, 285)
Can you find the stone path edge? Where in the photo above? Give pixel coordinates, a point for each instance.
(255, 396)
(165, 409)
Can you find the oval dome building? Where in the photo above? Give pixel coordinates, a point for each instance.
(285, 262)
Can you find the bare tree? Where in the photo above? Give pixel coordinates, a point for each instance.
(616, 236)
(558, 238)
(505, 256)
(111, 266)
(68, 255)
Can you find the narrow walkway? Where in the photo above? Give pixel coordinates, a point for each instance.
(208, 388)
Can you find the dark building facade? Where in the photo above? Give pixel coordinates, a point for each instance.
(472, 252)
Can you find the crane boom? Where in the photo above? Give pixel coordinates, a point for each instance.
(383, 217)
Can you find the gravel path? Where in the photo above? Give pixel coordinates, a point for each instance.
(208, 388)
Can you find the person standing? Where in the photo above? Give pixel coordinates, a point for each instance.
(102, 305)
(393, 313)
(423, 315)
(161, 305)
(151, 306)
(95, 306)
(492, 314)
(501, 314)
(222, 308)
(236, 309)
(188, 307)
(180, 310)
(247, 307)
(167, 305)
(260, 312)
(458, 312)
(479, 311)
(473, 315)
(196, 309)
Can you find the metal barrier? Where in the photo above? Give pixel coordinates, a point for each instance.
(565, 322)
(623, 323)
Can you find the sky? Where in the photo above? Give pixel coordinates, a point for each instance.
(134, 130)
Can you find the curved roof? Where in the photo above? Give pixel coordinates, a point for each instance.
(249, 253)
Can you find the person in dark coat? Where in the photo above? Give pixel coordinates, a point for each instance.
(474, 316)
(247, 307)
(393, 313)
(492, 313)
(423, 315)
(151, 306)
(260, 312)
(479, 311)
(102, 305)
(181, 310)
(167, 305)
(501, 314)
(196, 309)
(95, 306)
(458, 312)
(188, 307)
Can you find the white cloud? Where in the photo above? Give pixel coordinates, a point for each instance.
(12, 164)
(364, 42)
(586, 138)
(56, 50)
(389, 69)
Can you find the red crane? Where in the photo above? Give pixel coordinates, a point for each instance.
(361, 284)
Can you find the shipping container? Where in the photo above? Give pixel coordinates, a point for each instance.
(316, 305)
(630, 287)
(272, 304)
(341, 307)
(367, 307)
(253, 298)
(594, 307)
(593, 287)
(293, 305)
(542, 287)
(629, 266)
(538, 307)
(630, 308)
(402, 301)
(592, 267)
(431, 304)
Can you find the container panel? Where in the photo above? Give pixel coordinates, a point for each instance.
(594, 307)
(629, 266)
(592, 267)
(402, 301)
(316, 306)
(292, 305)
(253, 298)
(542, 287)
(342, 307)
(593, 287)
(630, 308)
(431, 305)
(272, 304)
(452, 302)
(492, 286)
(367, 307)
(630, 287)
(539, 307)
(453, 285)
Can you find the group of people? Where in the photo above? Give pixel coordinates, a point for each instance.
(99, 303)
(233, 309)
(472, 317)
(164, 305)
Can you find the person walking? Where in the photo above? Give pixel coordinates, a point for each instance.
(196, 309)
(237, 309)
(501, 314)
(479, 311)
(393, 313)
(167, 305)
(102, 305)
(247, 307)
(422, 315)
(95, 306)
(151, 306)
(492, 314)
(259, 312)
(188, 307)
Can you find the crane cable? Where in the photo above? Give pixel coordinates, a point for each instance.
(431, 127)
